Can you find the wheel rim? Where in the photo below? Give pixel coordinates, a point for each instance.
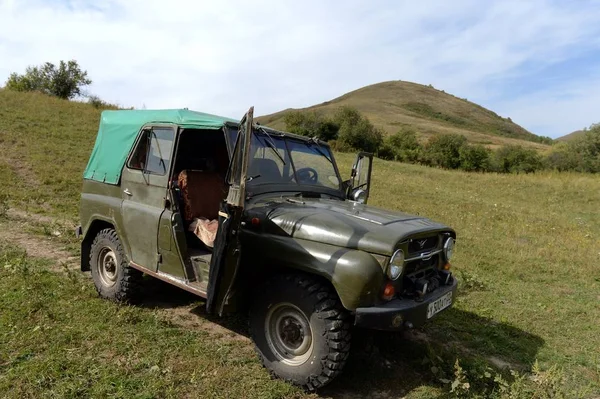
(288, 334)
(107, 266)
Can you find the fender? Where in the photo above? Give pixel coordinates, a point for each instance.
(356, 275)
(99, 211)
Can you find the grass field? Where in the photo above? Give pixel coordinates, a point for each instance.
(526, 257)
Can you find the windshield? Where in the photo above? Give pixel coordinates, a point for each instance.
(284, 160)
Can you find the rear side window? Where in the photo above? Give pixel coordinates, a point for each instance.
(153, 151)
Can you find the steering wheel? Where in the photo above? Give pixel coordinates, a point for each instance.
(307, 175)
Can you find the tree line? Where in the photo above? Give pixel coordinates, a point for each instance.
(348, 130)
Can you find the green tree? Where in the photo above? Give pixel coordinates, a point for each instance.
(563, 157)
(516, 159)
(580, 154)
(65, 80)
(474, 158)
(356, 131)
(402, 146)
(587, 148)
(311, 124)
(444, 150)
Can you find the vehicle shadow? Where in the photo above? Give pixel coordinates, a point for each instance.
(392, 364)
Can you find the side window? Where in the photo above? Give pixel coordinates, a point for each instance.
(153, 151)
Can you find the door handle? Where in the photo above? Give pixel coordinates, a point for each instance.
(126, 191)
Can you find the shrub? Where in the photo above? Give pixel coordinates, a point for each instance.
(444, 150)
(65, 81)
(474, 158)
(356, 131)
(311, 124)
(402, 146)
(580, 154)
(340, 146)
(516, 159)
(98, 103)
(563, 157)
(587, 149)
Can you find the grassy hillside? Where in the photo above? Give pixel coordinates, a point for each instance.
(526, 258)
(571, 136)
(45, 143)
(392, 105)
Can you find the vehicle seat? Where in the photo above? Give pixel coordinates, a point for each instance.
(266, 168)
(201, 193)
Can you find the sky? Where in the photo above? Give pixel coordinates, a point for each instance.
(535, 61)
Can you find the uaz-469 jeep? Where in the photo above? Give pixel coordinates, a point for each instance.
(255, 219)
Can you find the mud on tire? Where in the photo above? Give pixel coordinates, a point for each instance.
(113, 277)
(287, 305)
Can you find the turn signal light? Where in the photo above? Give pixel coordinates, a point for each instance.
(447, 266)
(389, 291)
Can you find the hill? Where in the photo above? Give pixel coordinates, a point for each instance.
(527, 287)
(571, 136)
(395, 104)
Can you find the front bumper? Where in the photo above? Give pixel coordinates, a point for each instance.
(397, 314)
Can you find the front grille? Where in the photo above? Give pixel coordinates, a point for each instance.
(420, 264)
(422, 244)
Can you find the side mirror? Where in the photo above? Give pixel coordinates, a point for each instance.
(360, 178)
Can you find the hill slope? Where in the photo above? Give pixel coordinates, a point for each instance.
(392, 105)
(571, 136)
(45, 143)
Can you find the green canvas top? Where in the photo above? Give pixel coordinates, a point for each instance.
(119, 129)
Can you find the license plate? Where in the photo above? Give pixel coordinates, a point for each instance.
(439, 304)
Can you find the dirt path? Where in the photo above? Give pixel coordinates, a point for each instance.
(13, 232)
(179, 307)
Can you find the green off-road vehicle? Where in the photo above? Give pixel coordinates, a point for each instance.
(257, 220)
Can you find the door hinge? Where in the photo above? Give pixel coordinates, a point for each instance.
(158, 258)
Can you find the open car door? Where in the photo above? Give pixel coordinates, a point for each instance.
(226, 255)
(360, 178)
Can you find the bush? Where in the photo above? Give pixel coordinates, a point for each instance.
(587, 149)
(402, 146)
(356, 131)
(516, 159)
(581, 154)
(563, 157)
(98, 103)
(444, 150)
(474, 158)
(64, 81)
(311, 124)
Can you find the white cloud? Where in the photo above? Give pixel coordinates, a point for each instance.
(223, 56)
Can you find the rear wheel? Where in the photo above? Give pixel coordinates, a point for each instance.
(113, 277)
(301, 330)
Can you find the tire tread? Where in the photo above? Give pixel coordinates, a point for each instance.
(337, 330)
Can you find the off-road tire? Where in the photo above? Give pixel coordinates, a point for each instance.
(127, 280)
(329, 325)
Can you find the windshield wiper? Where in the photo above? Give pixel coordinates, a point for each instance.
(271, 144)
(315, 141)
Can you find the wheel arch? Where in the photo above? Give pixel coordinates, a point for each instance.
(95, 226)
(355, 275)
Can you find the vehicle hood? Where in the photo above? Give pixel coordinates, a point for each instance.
(344, 223)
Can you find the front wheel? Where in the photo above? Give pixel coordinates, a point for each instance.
(301, 330)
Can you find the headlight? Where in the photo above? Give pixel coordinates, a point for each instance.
(359, 196)
(449, 248)
(394, 269)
